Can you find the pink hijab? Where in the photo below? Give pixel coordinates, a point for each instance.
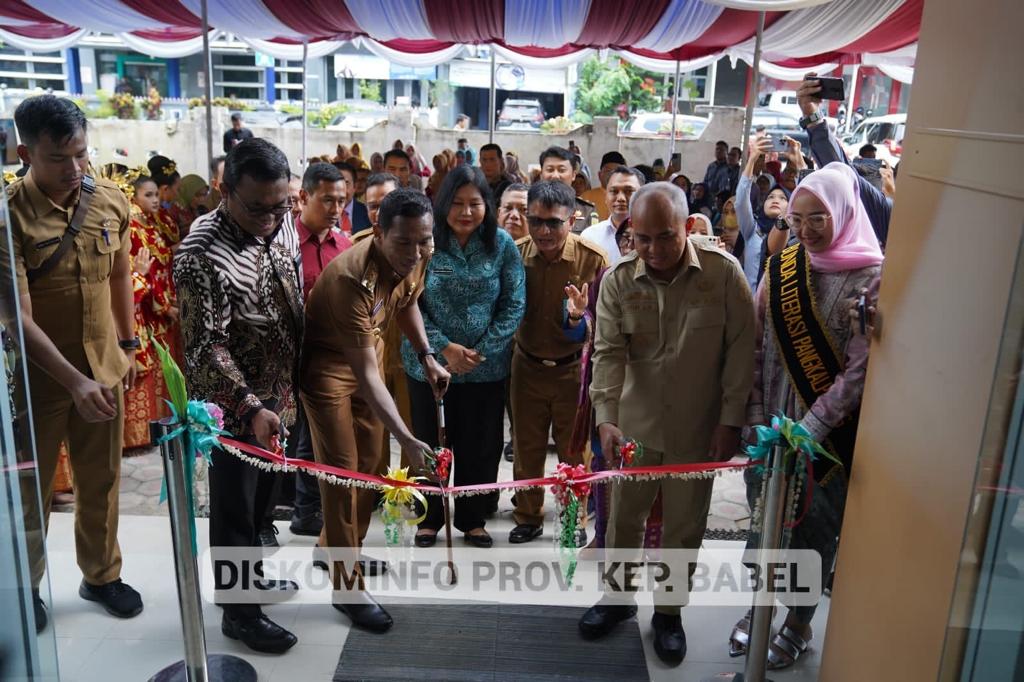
(854, 244)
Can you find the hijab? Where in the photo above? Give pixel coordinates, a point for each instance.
(854, 245)
(191, 184)
(729, 220)
(697, 204)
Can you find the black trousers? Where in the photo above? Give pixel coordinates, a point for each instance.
(307, 489)
(240, 497)
(474, 419)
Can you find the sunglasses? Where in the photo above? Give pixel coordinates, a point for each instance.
(553, 224)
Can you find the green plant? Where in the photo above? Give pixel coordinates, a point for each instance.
(226, 102)
(582, 117)
(370, 89)
(326, 115)
(558, 125)
(290, 109)
(439, 93)
(604, 86)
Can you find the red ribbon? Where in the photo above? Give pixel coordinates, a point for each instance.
(576, 480)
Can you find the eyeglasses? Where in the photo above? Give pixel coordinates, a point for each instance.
(815, 222)
(553, 224)
(276, 211)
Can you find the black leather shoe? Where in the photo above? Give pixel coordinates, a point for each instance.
(669, 638)
(581, 537)
(524, 532)
(600, 619)
(483, 540)
(268, 535)
(319, 558)
(116, 597)
(259, 633)
(368, 615)
(425, 539)
(40, 609)
(271, 585)
(508, 452)
(310, 526)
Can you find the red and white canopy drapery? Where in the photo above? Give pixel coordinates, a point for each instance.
(799, 34)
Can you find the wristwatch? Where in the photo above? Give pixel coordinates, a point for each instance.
(130, 344)
(816, 117)
(422, 355)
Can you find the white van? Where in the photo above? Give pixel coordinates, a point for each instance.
(885, 132)
(781, 100)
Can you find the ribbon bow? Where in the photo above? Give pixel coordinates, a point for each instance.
(794, 434)
(398, 503)
(565, 484)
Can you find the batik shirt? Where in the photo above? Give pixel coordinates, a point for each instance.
(240, 301)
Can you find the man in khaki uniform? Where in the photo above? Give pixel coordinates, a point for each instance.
(673, 367)
(561, 165)
(360, 293)
(77, 313)
(546, 363)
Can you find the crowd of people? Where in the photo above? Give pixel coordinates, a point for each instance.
(334, 310)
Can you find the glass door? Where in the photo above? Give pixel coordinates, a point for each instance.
(25, 654)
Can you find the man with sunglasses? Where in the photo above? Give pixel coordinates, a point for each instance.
(240, 294)
(545, 363)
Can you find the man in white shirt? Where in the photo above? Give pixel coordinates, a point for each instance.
(622, 184)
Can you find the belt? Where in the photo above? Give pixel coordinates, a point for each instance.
(553, 363)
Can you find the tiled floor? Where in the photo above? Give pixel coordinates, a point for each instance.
(93, 646)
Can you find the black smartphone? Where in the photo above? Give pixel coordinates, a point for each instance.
(862, 313)
(832, 88)
(677, 159)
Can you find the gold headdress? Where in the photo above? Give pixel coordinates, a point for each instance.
(124, 179)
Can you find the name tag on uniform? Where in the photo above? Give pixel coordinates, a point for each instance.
(444, 270)
(47, 243)
(376, 307)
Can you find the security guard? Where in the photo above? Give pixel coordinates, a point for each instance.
(70, 243)
(361, 292)
(545, 363)
(673, 367)
(561, 165)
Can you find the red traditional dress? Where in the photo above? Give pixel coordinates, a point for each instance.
(154, 320)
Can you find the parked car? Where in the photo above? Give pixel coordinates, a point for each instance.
(521, 114)
(779, 124)
(885, 132)
(781, 100)
(659, 124)
(262, 116)
(361, 115)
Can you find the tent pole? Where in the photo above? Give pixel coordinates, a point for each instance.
(852, 98)
(208, 67)
(492, 101)
(675, 110)
(305, 101)
(754, 88)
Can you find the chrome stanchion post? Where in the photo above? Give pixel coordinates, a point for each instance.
(196, 666)
(775, 488)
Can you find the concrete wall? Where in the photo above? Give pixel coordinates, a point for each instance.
(185, 140)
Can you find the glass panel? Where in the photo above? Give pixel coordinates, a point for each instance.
(26, 654)
(985, 632)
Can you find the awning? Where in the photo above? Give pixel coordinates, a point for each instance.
(799, 34)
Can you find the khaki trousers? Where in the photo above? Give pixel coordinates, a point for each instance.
(94, 452)
(685, 507)
(347, 434)
(543, 400)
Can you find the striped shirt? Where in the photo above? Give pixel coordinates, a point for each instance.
(241, 318)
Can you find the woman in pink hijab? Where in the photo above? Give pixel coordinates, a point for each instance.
(810, 363)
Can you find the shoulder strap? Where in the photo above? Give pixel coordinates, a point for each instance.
(74, 227)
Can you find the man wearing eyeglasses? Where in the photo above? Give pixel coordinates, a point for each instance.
(623, 182)
(545, 363)
(241, 317)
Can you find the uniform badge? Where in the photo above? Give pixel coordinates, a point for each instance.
(108, 223)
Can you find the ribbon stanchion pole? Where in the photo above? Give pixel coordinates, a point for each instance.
(445, 498)
(775, 489)
(197, 666)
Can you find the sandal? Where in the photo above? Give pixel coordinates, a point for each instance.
(739, 638)
(792, 646)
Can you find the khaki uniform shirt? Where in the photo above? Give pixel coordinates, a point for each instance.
(674, 359)
(351, 305)
(540, 333)
(581, 215)
(72, 303)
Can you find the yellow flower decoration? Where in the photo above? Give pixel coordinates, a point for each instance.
(399, 498)
(169, 169)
